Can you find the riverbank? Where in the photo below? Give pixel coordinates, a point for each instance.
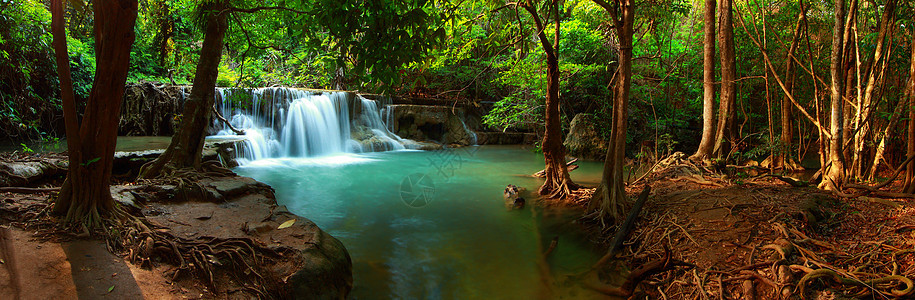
(215, 236)
(762, 238)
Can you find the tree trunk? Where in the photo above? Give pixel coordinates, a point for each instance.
(557, 183)
(163, 35)
(186, 146)
(728, 85)
(834, 170)
(863, 131)
(909, 183)
(706, 145)
(783, 159)
(610, 197)
(85, 196)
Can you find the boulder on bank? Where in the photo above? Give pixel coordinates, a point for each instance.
(30, 169)
(240, 208)
(585, 139)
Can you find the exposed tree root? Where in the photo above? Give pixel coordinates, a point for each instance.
(128, 233)
(663, 264)
(617, 243)
(244, 259)
(570, 166)
(790, 180)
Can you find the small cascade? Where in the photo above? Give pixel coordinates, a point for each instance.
(379, 137)
(316, 125)
(285, 122)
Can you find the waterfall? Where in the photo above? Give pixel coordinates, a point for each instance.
(286, 122)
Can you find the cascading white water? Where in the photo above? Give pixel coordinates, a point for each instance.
(384, 139)
(316, 125)
(284, 122)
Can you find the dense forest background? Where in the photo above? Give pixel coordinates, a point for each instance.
(487, 52)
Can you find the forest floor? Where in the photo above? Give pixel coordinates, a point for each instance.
(761, 238)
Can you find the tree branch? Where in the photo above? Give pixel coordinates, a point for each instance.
(260, 8)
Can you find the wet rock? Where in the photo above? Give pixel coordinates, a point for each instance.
(314, 265)
(326, 271)
(585, 139)
(513, 199)
(431, 123)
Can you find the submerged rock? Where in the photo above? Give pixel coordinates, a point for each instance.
(585, 139)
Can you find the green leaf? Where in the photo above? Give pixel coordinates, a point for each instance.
(111, 288)
(87, 163)
(286, 224)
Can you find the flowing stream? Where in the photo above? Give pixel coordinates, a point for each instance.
(417, 224)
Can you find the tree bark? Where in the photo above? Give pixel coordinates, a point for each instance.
(186, 145)
(706, 145)
(834, 170)
(610, 198)
(728, 85)
(85, 196)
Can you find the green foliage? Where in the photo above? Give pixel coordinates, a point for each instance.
(509, 112)
(27, 75)
(226, 77)
(82, 66)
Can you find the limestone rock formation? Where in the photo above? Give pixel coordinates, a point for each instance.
(431, 123)
(584, 139)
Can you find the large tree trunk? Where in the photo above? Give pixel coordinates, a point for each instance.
(728, 85)
(834, 169)
(706, 145)
(186, 146)
(610, 197)
(85, 196)
(557, 183)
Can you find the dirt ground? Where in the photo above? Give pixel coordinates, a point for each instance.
(761, 238)
(78, 269)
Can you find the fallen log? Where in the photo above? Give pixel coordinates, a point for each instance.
(27, 190)
(570, 165)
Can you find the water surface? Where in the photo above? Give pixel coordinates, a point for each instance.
(432, 224)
